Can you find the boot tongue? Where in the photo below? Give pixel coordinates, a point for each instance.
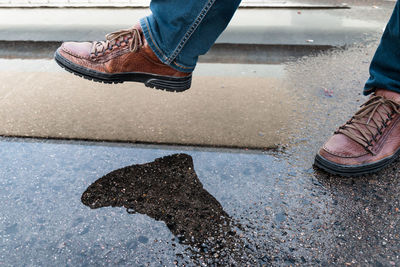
(368, 124)
(388, 94)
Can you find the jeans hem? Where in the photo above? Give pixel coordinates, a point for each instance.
(371, 89)
(368, 91)
(157, 50)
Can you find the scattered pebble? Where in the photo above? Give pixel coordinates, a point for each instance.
(328, 93)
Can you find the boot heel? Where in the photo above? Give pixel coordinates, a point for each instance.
(170, 84)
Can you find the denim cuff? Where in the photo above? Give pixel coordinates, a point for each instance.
(368, 90)
(147, 32)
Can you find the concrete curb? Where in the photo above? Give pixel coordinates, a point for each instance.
(249, 26)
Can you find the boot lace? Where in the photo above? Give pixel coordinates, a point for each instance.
(367, 124)
(116, 39)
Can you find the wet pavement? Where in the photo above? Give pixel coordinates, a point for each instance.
(91, 203)
(75, 203)
(86, 204)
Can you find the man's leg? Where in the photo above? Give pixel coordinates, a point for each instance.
(161, 52)
(370, 140)
(178, 31)
(385, 65)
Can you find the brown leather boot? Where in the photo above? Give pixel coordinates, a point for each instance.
(368, 142)
(124, 56)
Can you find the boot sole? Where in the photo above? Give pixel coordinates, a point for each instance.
(353, 170)
(167, 83)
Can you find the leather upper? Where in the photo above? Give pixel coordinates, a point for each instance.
(118, 58)
(341, 149)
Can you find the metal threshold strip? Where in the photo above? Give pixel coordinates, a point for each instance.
(145, 4)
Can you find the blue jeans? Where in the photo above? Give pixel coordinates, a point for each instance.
(385, 66)
(178, 31)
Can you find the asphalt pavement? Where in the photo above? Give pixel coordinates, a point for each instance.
(236, 187)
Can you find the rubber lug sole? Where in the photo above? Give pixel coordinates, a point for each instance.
(170, 84)
(353, 170)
